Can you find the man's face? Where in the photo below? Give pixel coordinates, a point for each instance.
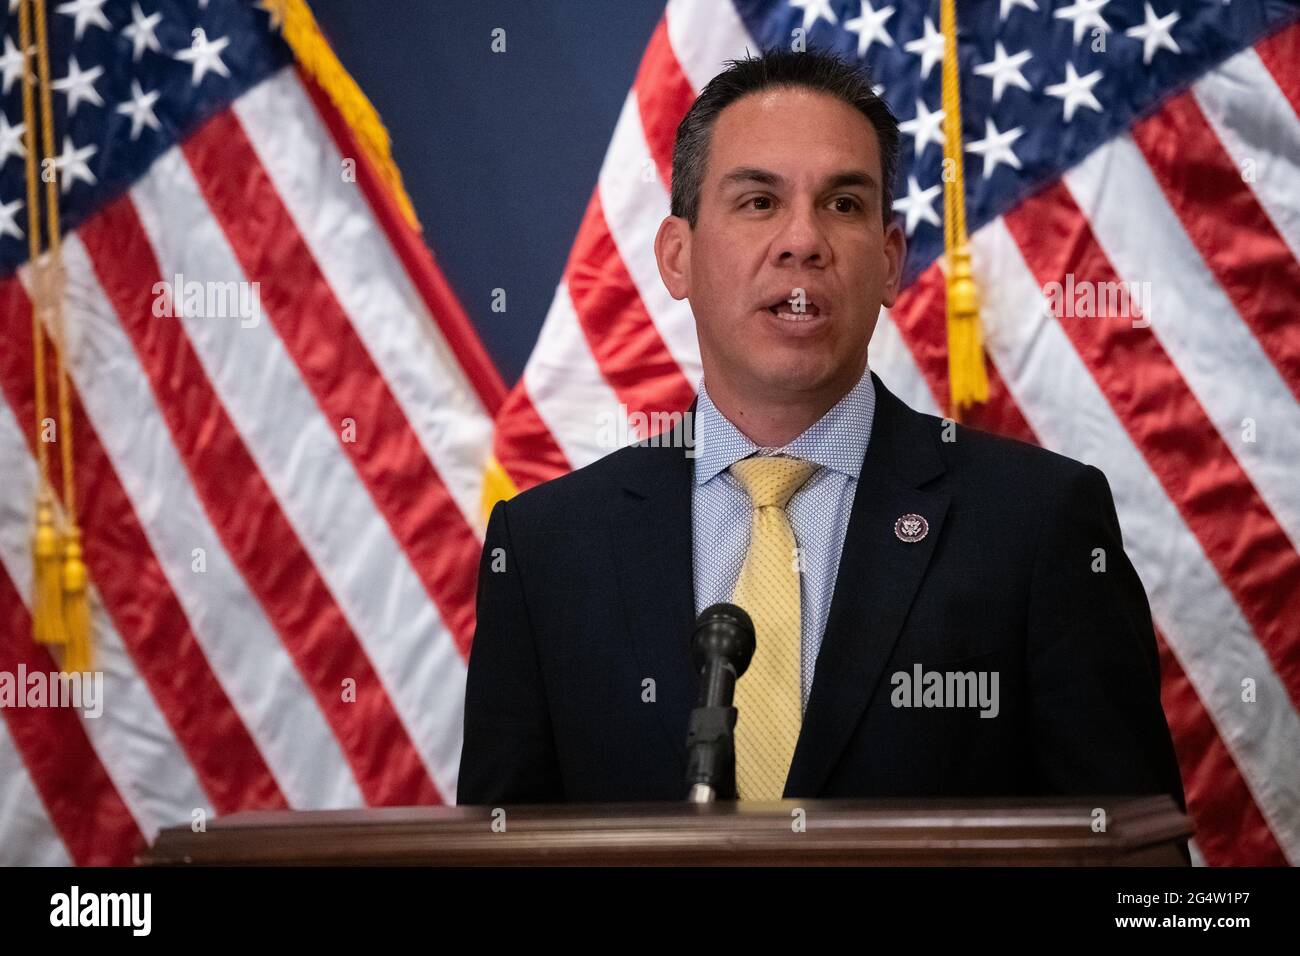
(791, 201)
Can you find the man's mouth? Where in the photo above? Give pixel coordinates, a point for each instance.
(791, 310)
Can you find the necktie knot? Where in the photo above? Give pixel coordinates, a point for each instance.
(771, 481)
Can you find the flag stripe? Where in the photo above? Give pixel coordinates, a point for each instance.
(1199, 471)
(1280, 53)
(627, 347)
(380, 596)
(567, 389)
(135, 745)
(704, 34)
(137, 595)
(371, 284)
(441, 304)
(1193, 320)
(635, 204)
(27, 836)
(1261, 133)
(523, 445)
(663, 96)
(1229, 827)
(892, 359)
(82, 802)
(227, 622)
(1221, 216)
(340, 372)
(1191, 603)
(249, 521)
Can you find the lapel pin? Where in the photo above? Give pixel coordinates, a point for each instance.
(911, 528)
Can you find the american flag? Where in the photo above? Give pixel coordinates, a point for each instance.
(281, 504)
(326, 467)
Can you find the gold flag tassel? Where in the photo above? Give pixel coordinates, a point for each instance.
(79, 655)
(47, 547)
(47, 591)
(967, 379)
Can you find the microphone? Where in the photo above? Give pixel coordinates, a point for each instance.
(721, 649)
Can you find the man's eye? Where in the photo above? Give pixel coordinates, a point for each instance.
(847, 204)
(765, 202)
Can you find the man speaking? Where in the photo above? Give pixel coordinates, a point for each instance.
(938, 611)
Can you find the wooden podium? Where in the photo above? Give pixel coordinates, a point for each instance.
(1145, 831)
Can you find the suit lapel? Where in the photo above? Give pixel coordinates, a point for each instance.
(651, 541)
(877, 579)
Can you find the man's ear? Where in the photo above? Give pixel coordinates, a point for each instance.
(895, 253)
(673, 253)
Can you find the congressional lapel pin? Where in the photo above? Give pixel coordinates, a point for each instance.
(911, 528)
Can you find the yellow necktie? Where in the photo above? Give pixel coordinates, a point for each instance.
(768, 694)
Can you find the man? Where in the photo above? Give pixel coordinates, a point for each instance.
(938, 611)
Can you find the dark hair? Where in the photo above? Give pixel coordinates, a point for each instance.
(813, 70)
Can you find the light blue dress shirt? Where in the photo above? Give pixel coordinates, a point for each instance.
(721, 513)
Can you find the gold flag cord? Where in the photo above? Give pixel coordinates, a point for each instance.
(60, 612)
(967, 378)
(47, 608)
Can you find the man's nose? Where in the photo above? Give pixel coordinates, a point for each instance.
(802, 241)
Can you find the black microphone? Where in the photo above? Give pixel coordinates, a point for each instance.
(721, 649)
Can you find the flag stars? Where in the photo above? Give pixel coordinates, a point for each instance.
(86, 12)
(8, 221)
(1075, 91)
(918, 204)
(814, 10)
(11, 140)
(924, 128)
(929, 47)
(1007, 6)
(995, 147)
(79, 85)
(869, 25)
(72, 164)
(1084, 14)
(1005, 70)
(11, 63)
(1154, 34)
(204, 56)
(140, 31)
(140, 109)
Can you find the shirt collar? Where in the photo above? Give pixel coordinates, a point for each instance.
(838, 440)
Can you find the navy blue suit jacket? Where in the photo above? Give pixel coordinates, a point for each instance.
(586, 593)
